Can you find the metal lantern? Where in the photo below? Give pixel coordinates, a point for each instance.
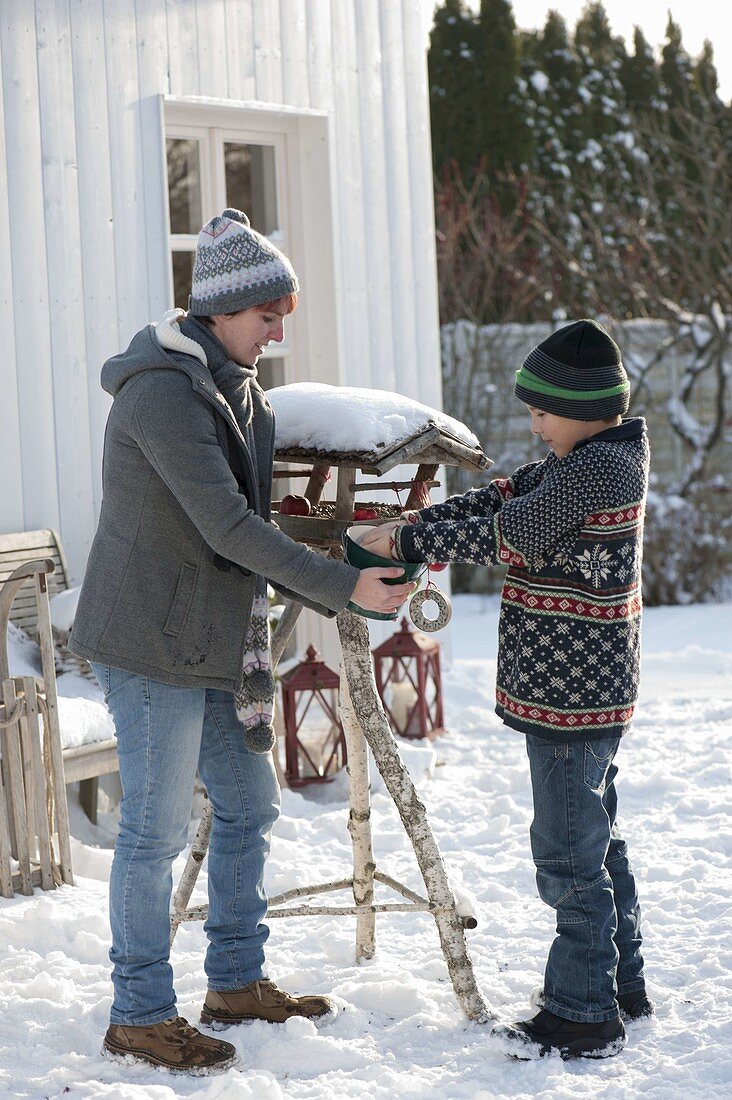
(409, 682)
(315, 747)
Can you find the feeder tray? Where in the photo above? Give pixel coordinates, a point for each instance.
(325, 526)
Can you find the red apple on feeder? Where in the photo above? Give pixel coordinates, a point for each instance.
(295, 505)
(365, 513)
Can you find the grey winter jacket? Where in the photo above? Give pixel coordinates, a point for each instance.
(171, 574)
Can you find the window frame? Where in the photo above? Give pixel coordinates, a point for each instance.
(212, 182)
(315, 345)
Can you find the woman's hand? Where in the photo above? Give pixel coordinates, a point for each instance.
(372, 594)
(378, 541)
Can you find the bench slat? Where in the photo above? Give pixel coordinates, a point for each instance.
(25, 540)
(86, 761)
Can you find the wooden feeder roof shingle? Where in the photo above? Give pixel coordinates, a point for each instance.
(430, 445)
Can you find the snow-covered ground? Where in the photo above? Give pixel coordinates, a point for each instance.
(400, 1032)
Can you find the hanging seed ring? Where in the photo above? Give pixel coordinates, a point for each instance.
(416, 612)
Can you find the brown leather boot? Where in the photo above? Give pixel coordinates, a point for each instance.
(173, 1044)
(262, 1000)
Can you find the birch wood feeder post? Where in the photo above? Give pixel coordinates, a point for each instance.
(363, 718)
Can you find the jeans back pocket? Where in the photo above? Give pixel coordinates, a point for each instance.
(598, 757)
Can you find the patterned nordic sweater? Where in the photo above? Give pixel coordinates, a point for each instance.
(570, 531)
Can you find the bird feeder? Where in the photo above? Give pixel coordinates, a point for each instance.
(409, 683)
(413, 663)
(315, 748)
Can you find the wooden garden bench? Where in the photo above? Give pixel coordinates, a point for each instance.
(85, 763)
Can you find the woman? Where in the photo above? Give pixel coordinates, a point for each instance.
(172, 617)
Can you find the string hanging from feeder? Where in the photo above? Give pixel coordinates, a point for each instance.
(430, 593)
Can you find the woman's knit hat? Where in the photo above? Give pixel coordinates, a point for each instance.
(237, 268)
(577, 373)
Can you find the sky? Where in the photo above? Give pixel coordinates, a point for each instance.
(698, 19)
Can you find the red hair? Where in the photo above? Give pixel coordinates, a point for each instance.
(286, 303)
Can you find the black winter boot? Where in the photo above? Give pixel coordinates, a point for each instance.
(635, 1006)
(549, 1034)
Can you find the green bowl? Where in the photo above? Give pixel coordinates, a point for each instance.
(355, 554)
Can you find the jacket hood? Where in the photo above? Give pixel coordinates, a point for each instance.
(160, 344)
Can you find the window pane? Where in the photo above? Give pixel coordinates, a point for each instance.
(182, 273)
(184, 185)
(250, 184)
(271, 373)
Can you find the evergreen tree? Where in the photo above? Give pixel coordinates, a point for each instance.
(602, 56)
(676, 69)
(625, 202)
(593, 35)
(551, 73)
(639, 75)
(505, 139)
(454, 79)
(705, 78)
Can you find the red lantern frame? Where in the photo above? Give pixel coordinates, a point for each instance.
(411, 657)
(313, 681)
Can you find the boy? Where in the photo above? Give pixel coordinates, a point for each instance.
(570, 530)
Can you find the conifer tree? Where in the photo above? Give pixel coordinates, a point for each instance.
(505, 138)
(602, 56)
(454, 80)
(705, 78)
(551, 73)
(639, 75)
(676, 69)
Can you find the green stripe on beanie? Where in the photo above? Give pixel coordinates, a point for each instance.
(531, 382)
(577, 373)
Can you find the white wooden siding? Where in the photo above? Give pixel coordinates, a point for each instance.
(83, 205)
(33, 365)
(11, 469)
(65, 284)
(96, 222)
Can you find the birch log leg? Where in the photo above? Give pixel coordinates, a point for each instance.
(359, 816)
(188, 879)
(359, 825)
(283, 631)
(357, 666)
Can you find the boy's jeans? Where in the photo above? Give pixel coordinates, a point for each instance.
(165, 733)
(582, 871)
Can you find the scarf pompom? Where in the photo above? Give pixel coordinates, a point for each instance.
(256, 695)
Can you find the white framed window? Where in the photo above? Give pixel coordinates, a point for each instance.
(210, 168)
(274, 163)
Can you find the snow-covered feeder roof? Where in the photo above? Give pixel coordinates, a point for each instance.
(373, 430)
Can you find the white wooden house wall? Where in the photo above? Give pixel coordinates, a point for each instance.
(84, 258)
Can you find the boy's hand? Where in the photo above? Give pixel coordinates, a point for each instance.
(372, 594)
(378, 541)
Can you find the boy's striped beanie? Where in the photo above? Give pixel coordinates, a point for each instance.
(237, 268)
(576, 373)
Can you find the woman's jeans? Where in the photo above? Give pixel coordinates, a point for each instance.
(582, 871)
(164, 735)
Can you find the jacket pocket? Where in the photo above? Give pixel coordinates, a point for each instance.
(181, 600)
